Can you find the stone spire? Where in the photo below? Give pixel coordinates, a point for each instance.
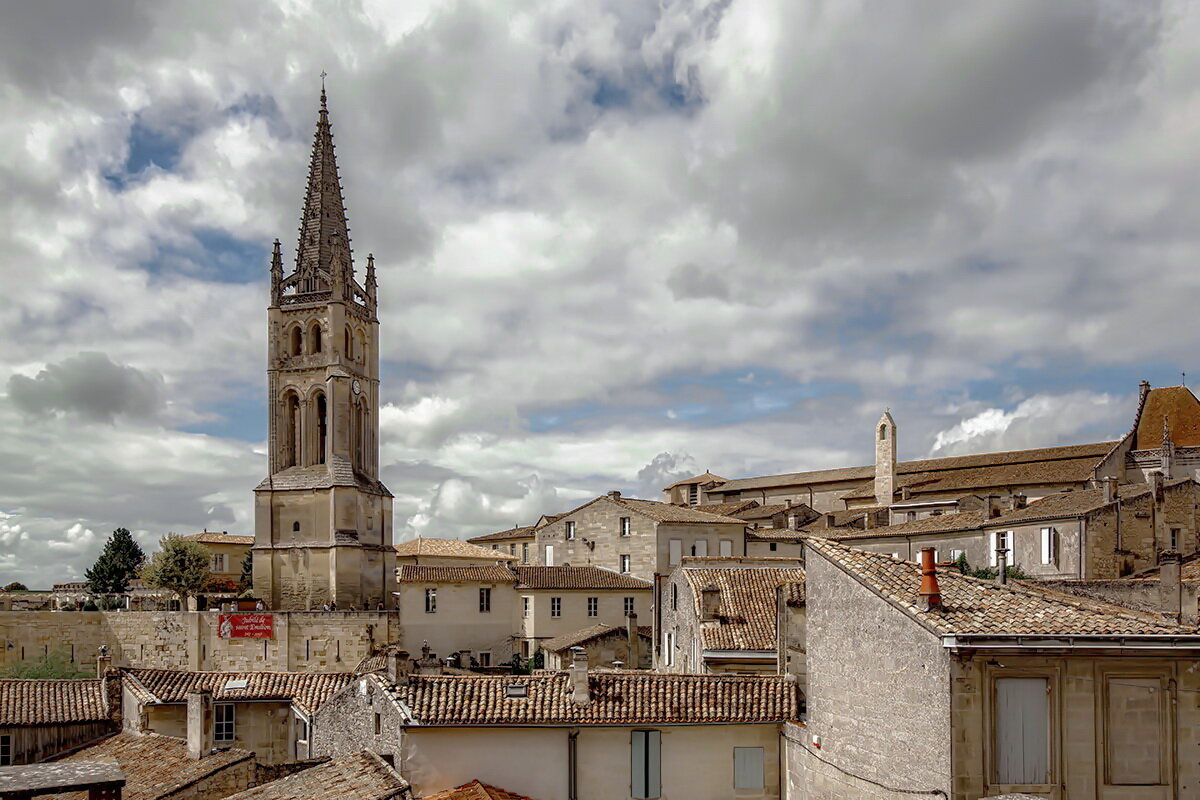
(276, 274)
(372, 285)
(324, 235)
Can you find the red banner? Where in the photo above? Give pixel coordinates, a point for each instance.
(246, 626)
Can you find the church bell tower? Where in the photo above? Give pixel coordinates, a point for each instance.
(323, 520)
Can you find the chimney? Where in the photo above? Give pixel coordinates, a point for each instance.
(635, 641)
(789, 502)
(1156, 484)
(990, 507)
(1002, 565)
(1019, 501)
(614, 495)
(103, 661)
(827, 521)
(199, 724)
(885, 460)
(929, 582)
(1170, 597)
(710, 603)
(398, 667)
(1110, 489)
(580, 695)
(905, 493)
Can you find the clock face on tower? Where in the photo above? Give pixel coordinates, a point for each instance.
(356, 387)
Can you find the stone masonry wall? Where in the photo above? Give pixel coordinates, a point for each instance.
(303, 641)
(346, 723)
(878, 695)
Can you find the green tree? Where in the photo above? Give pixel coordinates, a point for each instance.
(117, 564)
(16, 586)
(246, 582)
(179, 565)
(57, 664)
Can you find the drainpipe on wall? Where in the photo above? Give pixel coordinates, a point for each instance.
(573, 765)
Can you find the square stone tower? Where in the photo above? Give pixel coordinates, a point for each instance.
(323, 520)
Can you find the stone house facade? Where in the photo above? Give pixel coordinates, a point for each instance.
(559, 601)
(638, 537)
(459, 609)
(1011, 688)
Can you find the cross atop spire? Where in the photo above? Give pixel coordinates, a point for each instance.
(323, 256)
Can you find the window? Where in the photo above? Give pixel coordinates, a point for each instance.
(525, 553)
(669, 648)
(525, 606)
(624, 526)
(628, 606)
(485, 659)
(624, 563)
(644, 755)
(1022, 731)
(556, 606)
(700, 548)
(1000, 539)
(694, 494)
(593, 604)
(314, 336)
(218, 563)
(1174, 538)
(485, 601)
(6, 756)
(378, 724)
(911, 516)
(747, 768)
(883, 433)
(549, 555)
(496, 547)
(570, 529)
(955, 555)
(512, 549)
(431, 601)
(726, 548)
(223, 716)
(1050, 546)
(675, 551)
(297, 341)
(295, 527)
(674, 597)
(773, 547)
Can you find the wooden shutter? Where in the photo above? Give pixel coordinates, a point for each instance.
(1136, 733)
(726, 548)
(995, 543)
(747, 768)
(1022, 731)
(702, 547)
(676, 550)
(645, 765)
(549, 555)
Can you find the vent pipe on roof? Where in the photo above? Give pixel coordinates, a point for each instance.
(580, 695)
(930, 590)
(1170, 589)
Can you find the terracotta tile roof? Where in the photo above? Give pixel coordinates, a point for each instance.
(763, 512)
(155, 766)
(747, 612)
(586, 577)
(338, 472)
(1095, 451)
(617, 698)
(449, 548)
(1189, 570)
(475, 790)
(417, 573)
(524, 532)
(943, 523)
(1181, 410)
(775, 535)
(1050, 471)
(590, 634)
(308, 691)
(667, 512)
(44, 701)
(702, 479)
(726, 509)
(219, 537)
(794, 594)
(974, 606)
(356, 776)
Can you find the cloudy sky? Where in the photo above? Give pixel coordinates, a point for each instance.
(618, 241)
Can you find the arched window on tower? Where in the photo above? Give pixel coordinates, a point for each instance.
(360, 346)
(291, 441)
(357, 435)
(297, 341)
(349, 344)
(314, 338)
(883, 433)
(321, 429)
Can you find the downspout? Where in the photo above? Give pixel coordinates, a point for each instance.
(572, 765)
(1083, 526)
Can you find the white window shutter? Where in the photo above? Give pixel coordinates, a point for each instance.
(549, 555)
(1047, 554)
(637, 762)
(747, 768)
(995, 537)
(726, 548)
(676, 550)
(702, 547)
